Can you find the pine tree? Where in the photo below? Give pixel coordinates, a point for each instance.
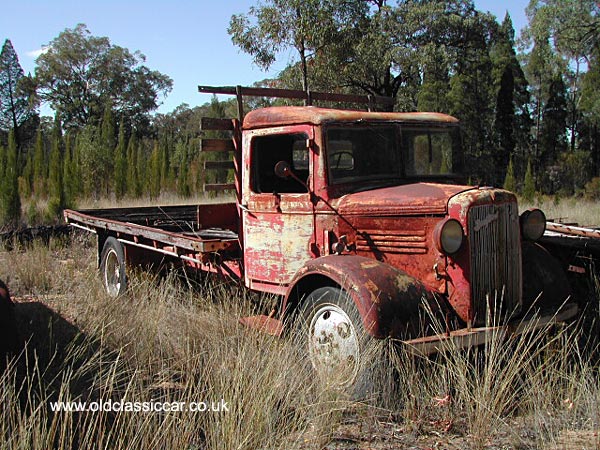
(142, 169)
(68, 175)
(39, 165)
(3, 157)
(132, 175)
(55, 176)
(121, 164)
(154, 170)
(509, 181)
(75, 178)
(165, 155)
(15, 108)
(10, 202)
(107, 146)
(183, 187)
(529, 184)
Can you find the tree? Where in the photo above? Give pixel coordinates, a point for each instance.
(107, 145)
(15, 108)
(304, 25)
(509, 181)
(132, 166)
(10, 202)
(154, 169)
(121, 164)
(69, 171)
(529, 184)
(56, 200)
(553, 139)
(80, 73)
(40, 172)
(512, 124)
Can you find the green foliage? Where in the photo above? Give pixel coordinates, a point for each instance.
(307, 26)
(3, 159)
(183, 184)
(510, 183)
(15, 108)
(93, 162)
(154, 171)
(592, 189)
(10, 201)
(57, 198)
(133, 188)
(39, 165)
(69, 188)
(80, 73)
(120, 177)
(529, 184)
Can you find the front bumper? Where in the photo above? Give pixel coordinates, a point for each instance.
(471, 337)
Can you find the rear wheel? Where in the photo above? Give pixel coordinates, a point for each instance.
(112, 267)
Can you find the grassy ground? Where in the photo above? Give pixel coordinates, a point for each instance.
(568, 210)
(167, 342)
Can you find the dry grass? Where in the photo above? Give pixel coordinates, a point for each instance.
(569, 210)
(167, 198)
(165, 341)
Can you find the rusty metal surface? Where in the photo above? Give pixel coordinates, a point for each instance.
(388, 300)
(293, 115)
(263, 324)
(573, 230)
(136, 231)
(417, 199)
(465, 338)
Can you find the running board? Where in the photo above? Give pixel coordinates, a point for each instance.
(264, 324)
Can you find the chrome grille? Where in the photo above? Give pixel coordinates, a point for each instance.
(494, 241)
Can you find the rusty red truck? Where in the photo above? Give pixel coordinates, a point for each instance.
(360, 221)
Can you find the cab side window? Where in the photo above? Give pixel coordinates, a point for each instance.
(267, 151)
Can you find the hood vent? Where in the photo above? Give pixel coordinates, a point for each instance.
(397, 241)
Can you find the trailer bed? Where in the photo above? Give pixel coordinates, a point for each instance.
(172, 230)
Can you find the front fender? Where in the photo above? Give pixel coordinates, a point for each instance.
(389, 301)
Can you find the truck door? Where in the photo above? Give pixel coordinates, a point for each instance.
(277, 213)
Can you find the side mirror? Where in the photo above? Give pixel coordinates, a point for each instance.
(283, 169)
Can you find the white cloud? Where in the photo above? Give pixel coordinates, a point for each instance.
(38, 52)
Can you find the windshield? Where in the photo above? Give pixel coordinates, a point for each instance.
(362, 153)
(387, 152)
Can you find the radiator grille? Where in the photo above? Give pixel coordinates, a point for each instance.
(495, 260)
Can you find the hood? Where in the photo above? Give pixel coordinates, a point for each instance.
(417, 198)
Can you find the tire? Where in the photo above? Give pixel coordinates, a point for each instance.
(113, 268)
(330, 329)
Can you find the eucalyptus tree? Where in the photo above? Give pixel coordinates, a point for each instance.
(78, 74)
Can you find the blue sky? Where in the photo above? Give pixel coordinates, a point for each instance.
(186, 40)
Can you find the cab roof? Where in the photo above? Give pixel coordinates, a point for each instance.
(294, 115)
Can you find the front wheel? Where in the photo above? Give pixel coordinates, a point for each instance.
(331, 330)
(112, 267)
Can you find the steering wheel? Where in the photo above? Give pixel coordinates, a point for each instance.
(337, 156)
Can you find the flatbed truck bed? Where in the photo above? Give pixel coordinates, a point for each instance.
(192, 233)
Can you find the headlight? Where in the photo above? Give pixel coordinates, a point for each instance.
(533, 224)
(449, 236)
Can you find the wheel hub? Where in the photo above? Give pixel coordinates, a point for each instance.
(112, 273)
(333, 343)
